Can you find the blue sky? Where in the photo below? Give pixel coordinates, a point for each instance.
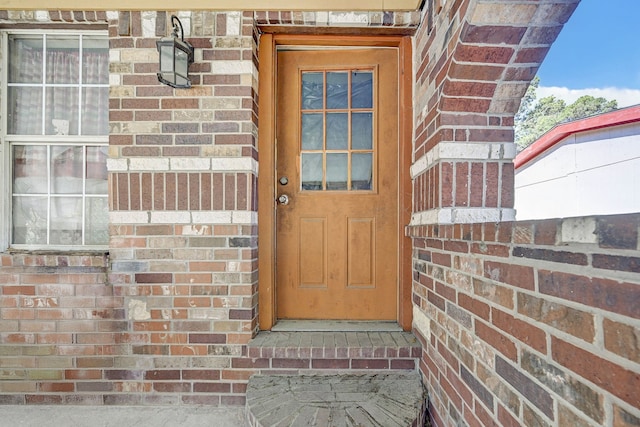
(597, 53)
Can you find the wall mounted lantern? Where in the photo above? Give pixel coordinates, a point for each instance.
(175, 57)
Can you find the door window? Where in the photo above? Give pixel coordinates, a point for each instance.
(336, 125)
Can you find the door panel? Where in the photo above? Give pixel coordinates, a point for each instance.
(337, 161)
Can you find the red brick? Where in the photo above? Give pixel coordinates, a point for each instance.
(603, 373)
(290, 363)
(617, 263)
(497, 340)
(618, 232)
(524, 331)
(622, 298)
(475, 306)
(545, 232)
(483, 54)
(515, 275)
(492, 34)
(575, 322)
(622, 339)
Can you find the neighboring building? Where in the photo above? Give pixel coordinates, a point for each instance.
(145, 260)
(585, 167)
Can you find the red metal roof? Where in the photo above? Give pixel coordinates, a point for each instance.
(560, 132)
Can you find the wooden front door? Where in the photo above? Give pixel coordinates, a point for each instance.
(337, 181)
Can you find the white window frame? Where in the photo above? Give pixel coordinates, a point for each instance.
(6, 167)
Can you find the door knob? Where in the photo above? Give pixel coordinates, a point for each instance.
(283, 199)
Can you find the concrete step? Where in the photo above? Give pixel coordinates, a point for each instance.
(363, 400)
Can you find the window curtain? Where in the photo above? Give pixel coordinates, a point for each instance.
(61, 103)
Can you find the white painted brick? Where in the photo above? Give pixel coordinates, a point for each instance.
(42, 15)
(244, 217)
(475, 215)
(322, 18)
(115, 79)
(509, 151)
(421, 322)
(128, 217)
(244, 164)
(195, 230)
(112, 14)
(234, 21)
(348, 18)
(117, 165)
(208, 313)
(419, 166)
(144, 163)
(170, 217)
(138, 310)
(148, 24)
(190, 163)
(233, 67)
(457, 150)
(508, 215)
(211, 217)
(579, 230)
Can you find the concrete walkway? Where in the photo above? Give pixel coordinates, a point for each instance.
(120, 416)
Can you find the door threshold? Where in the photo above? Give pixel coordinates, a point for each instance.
(335, 326)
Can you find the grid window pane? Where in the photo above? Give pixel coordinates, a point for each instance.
(58, 87)
(25, 58)
(63, 61)
(337, 90)
(337, 145)
(25, 110)
(96, 225)
(337, 131)
(30, 220)
(95, 60)
(312, 91)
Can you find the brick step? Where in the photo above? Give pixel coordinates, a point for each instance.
(363, 400)
(321, 352)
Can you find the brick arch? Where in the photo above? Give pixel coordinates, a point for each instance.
(475, 59)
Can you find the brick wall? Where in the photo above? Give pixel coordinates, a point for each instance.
(164, 318)
(530, 323)
(473, 62)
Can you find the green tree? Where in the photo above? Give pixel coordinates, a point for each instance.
(536, 117)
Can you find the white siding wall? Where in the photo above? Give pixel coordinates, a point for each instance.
(589, 173)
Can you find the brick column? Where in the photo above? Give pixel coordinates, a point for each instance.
(183, 172)
(474, 61)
